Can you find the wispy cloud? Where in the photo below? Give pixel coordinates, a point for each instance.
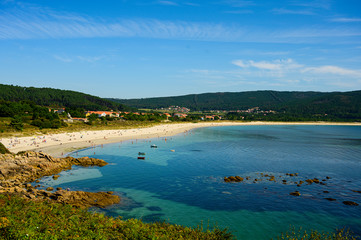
(321, 4)
(88, 59)
(238, 3)
(26, 25)
(280, 64)
(281, 71)
(239, 12)
(335, 70)
(294, 12)
(38, 23)
(291, 65)
(63, 59)
(284, 73)
(169, 3)
(192, 4)
(346, 20)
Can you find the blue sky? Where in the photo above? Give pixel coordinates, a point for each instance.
(151, 48)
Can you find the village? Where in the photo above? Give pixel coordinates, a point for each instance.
(175, 113)
(168, 114)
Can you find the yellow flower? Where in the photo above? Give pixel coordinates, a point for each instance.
(4, 222)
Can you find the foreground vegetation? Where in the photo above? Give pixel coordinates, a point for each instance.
(20, 219)
(299, 234)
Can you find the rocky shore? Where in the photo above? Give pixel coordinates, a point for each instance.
(17, 171)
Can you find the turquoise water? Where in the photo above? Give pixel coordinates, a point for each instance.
(186, 186)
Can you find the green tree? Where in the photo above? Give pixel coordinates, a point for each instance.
(17, 123)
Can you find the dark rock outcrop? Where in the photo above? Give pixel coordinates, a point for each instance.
(350, 203)
(233, 179)
(295, 193)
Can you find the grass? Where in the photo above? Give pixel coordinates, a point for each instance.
(299, 234)
(21, 219)
(3, 149)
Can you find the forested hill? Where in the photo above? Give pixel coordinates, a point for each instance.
(302, 102)
(57, 98)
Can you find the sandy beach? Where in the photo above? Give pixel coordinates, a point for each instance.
(58, 145)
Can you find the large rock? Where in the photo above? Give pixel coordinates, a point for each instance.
(295, 193)
(29, 166)
(16, 171)
(85, 199)
(350, 203)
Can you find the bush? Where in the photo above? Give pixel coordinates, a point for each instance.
(3, 149)
(21, 219)
(17, 123)
(299, 234)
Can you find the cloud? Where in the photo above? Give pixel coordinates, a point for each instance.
(191, 4)
(294, 12)
(41, 23)
(169, 3)
(89, 59)
(239, 12)
(285, 65)
(285, 74)
(288, 72)
(282, 64)
(63, 59)
(334, 70)
(47, 24)
(346, 20)
(321, 4)
(239, 3)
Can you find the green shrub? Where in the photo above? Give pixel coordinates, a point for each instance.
(299, 234)
(3, 149)
(21, 219)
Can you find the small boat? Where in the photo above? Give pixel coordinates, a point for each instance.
(154, 146)
(141, 158)
(172, 150)
(141, 153)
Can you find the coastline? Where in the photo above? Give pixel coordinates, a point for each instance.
(57, 145)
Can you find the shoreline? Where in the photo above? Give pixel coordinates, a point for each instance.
(57, 145)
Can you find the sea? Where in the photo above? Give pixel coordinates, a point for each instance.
(181, 181)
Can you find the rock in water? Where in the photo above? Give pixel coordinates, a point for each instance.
(295, 193)
(55, 177)
(350, 203)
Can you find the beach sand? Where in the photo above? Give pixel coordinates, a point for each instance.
(58, 145)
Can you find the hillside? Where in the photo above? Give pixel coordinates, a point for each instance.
(224, 100)
(267, 100)
(295, 105)
(57, 98)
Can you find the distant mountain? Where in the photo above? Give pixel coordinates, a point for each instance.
(298, 103)
(57, 98)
